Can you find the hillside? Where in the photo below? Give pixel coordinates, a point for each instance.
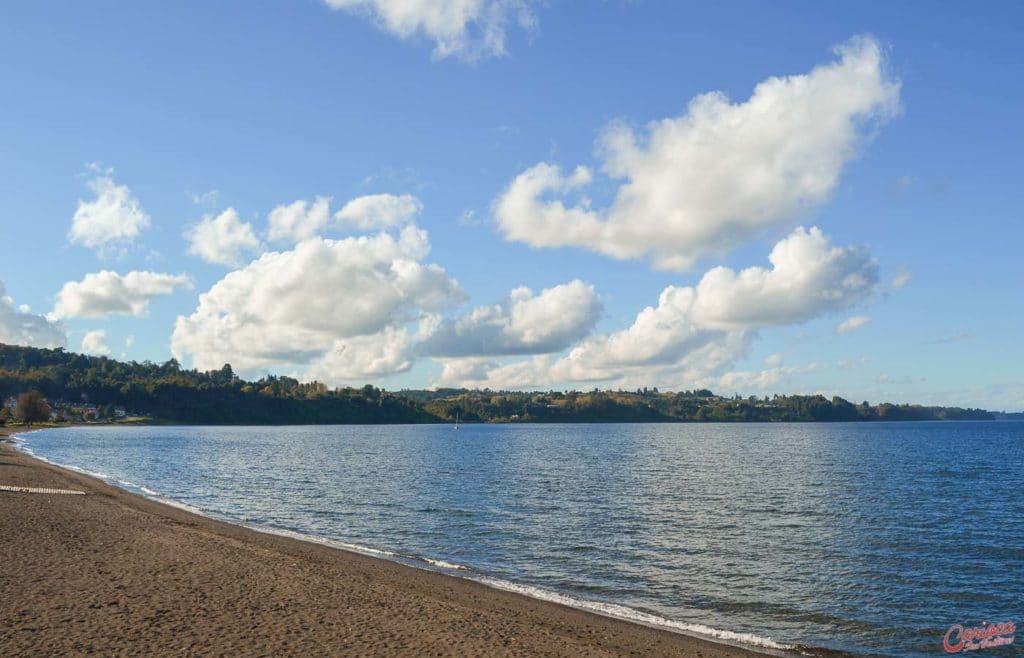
(166, 392)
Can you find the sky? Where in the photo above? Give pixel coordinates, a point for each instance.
(755, 198)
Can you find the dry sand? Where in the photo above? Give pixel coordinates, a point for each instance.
(112, 573)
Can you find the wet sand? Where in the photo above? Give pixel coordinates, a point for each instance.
(112, 573)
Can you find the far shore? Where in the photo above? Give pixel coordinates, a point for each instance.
(115, 573)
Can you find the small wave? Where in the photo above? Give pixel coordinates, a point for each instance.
(99, 475)
(137, 487)
(324, 541)
(636, 616)
(443, 564)
(170, 502)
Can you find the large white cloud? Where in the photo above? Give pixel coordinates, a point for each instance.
(697, 331)
(523, 323)
(223, 239)
(299, 220)
(465, 28)
(110, 221)
(18, 326)
(379, 211)
(712, 178)
(312, 304)
(808, 277)
(104, 293)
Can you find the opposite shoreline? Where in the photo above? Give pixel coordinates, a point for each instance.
(114, 572)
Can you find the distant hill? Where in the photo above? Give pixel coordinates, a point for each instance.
(652, 406)
(168, 393)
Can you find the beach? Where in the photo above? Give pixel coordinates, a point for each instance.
(114, 573)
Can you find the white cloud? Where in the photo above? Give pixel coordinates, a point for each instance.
(359, 358)
(523, 323)
(901, 279)
(379, 211)
(808, 277)
(774, 360)
(760, 381)
(322, 303)
(20, 327)
(706, 181)
(112, 220)
(299, 220)
(695, 332)
(852, 324)
(466, 28)
(222, 240)
(208, 198)
(477, 372)
(104, 293)
(95, 343)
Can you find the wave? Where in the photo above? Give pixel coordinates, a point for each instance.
(637, 616)
(445, 565)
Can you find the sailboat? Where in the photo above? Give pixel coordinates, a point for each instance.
(456, 421)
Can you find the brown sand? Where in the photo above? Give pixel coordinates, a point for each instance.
(111, 573)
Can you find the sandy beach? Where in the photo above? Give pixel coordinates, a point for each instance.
(112, 573)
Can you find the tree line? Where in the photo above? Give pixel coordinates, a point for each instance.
(167, 392)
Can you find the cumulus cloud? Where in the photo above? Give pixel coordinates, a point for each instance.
(808, 277)
(104, 293)
(95, 343)
(761, 381)
(901, 279)
(222, 240)
(324, 302)
(466, 28)
(110, 221)
(18, 326)
(852, 324)
(697, 331)
(299, 220)
(379, 211)
(704, 182)
(523, 323)
(358, 358)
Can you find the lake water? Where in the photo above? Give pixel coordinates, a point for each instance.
(867, 538)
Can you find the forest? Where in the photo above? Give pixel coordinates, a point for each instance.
(168, 393)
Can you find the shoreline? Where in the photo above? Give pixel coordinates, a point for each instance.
(339, 601)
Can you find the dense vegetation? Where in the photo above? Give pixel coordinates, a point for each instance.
(652, 406)
(167, 392)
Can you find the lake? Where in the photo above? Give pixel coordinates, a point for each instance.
(867, 538)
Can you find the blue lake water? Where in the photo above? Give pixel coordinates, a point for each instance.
(867, 538)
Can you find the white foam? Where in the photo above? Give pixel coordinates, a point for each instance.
(138, 487)
(630, 614)
(170, 502)
(444, 565)
(23, 447)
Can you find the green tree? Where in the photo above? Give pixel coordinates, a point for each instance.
(32, 407)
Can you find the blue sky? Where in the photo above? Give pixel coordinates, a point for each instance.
(185, 110)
